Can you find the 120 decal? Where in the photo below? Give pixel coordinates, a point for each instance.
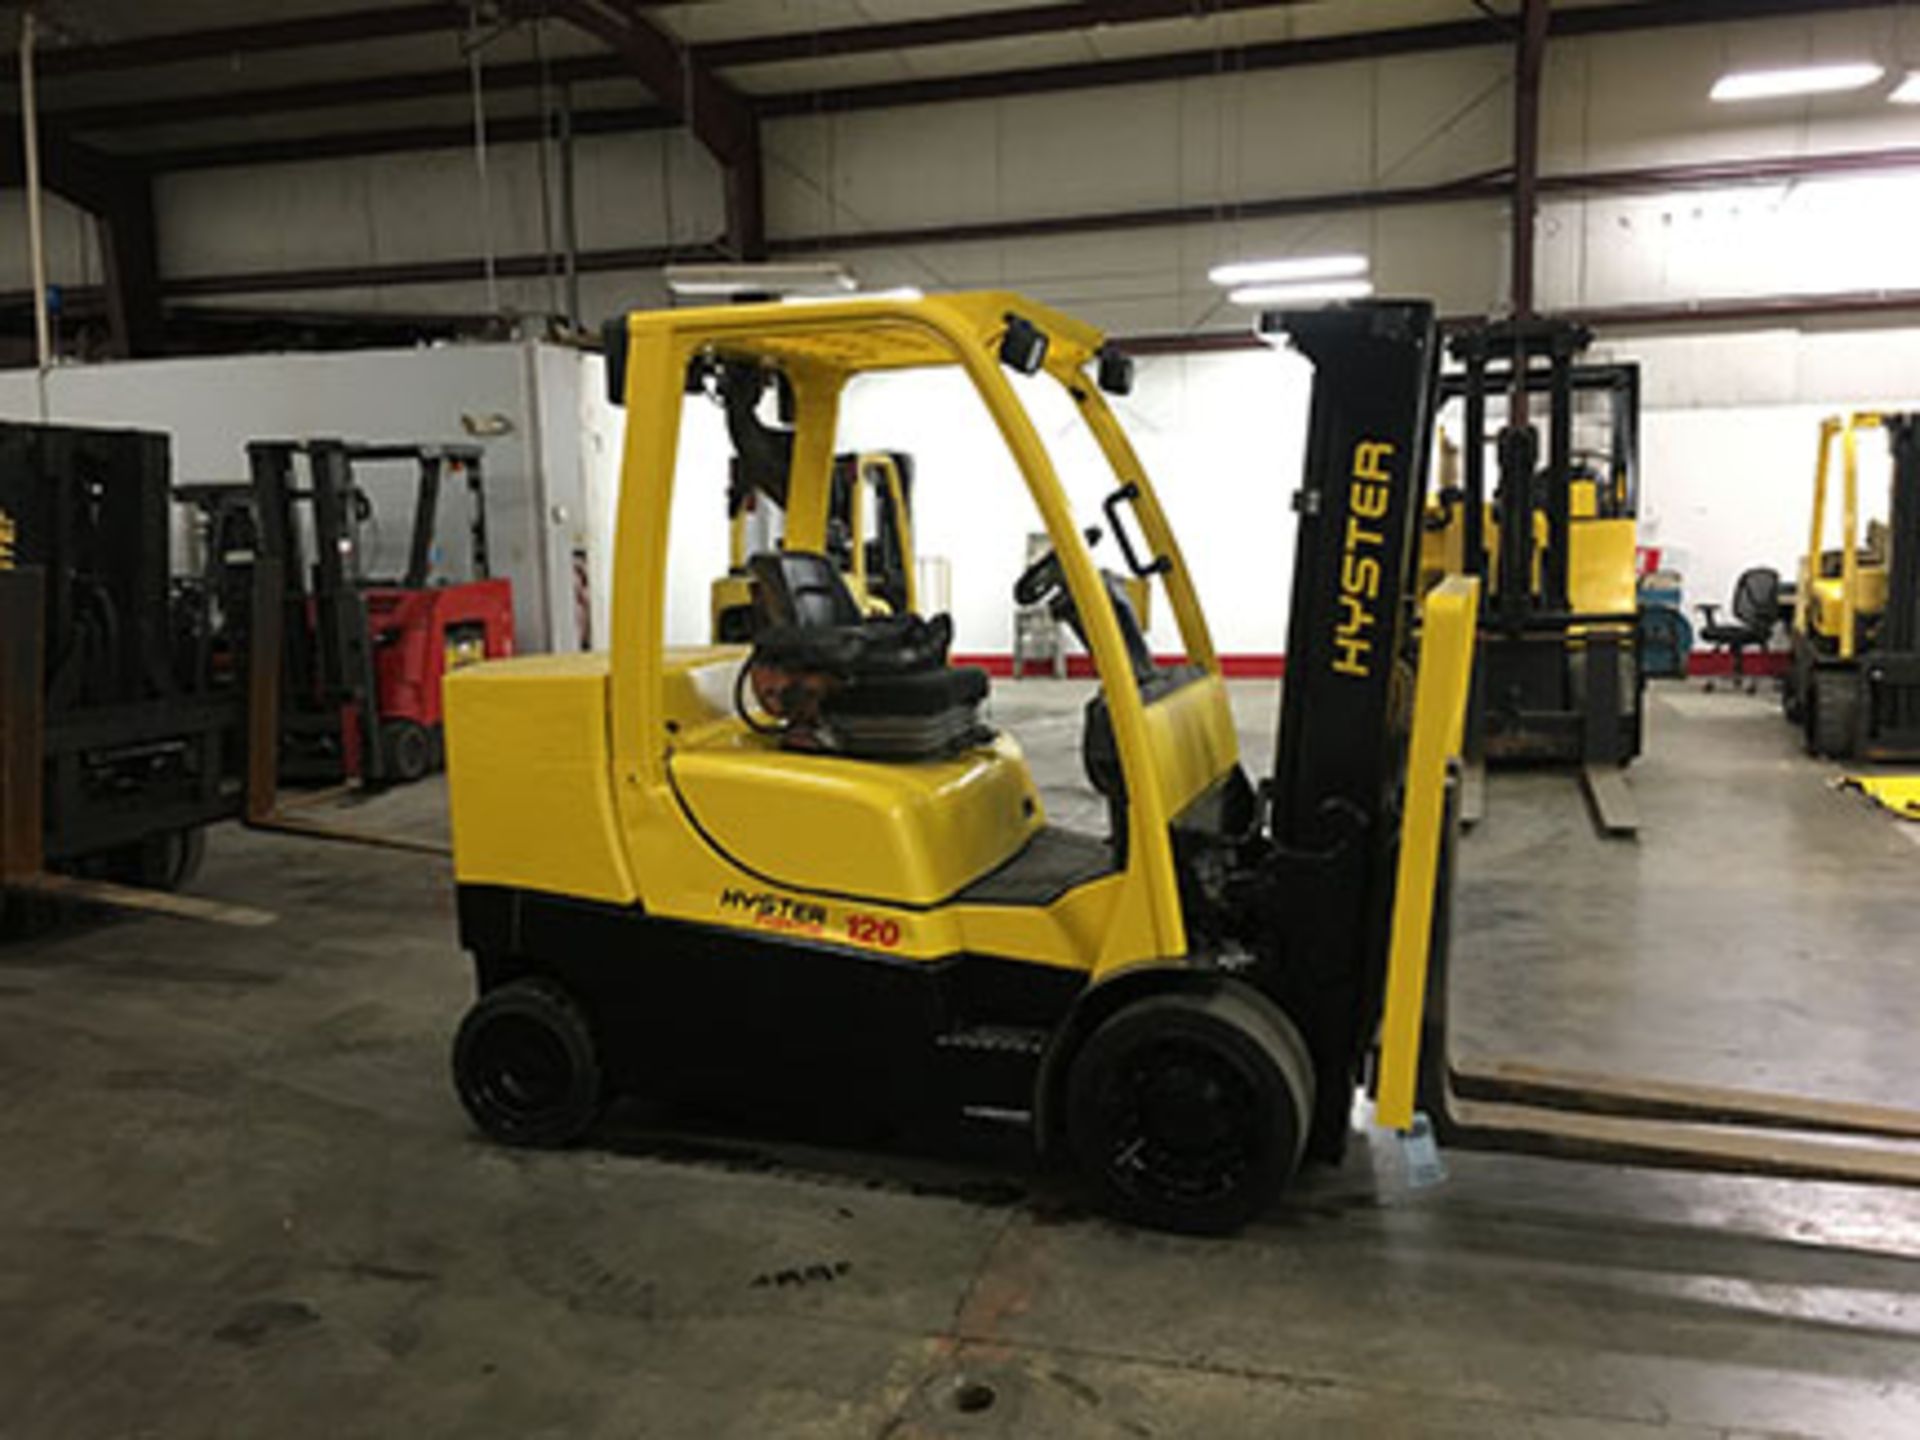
(873, 930)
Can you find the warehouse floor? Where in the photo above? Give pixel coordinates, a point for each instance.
(240, 1198)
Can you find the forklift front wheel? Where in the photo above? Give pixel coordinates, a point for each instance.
(409, 750)
(526, 1066)
(1189, 1112)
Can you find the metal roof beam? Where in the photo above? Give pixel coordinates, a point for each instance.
(719, 116)
(382, 22)
(966, 28)
(402, 139)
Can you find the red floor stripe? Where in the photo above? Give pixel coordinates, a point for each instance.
(1257, 666)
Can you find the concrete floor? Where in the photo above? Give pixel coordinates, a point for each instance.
(240, 1198)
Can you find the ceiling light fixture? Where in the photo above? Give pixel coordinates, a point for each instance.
(1795, 80)
(1298, 267)
(1314, 293)
(743, 280)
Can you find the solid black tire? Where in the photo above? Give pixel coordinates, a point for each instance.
(1256, 1082)
(1833, 714)
(409, 750)
(166, 861)
(526, 1067)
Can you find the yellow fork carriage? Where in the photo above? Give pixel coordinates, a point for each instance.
(804, 872)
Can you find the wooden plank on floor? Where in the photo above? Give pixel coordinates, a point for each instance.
(1614, 808)
(310, 829)
(1677, 1145)
(152, 902)
(1516, 1082)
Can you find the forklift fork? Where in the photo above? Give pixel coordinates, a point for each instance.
(1579, 1115)
(1569, 1114)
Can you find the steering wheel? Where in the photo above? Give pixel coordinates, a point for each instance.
(1044, 577)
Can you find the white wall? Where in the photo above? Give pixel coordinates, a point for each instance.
(72, 243)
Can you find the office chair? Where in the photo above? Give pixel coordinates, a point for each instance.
(1756, 610)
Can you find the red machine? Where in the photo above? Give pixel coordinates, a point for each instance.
(363, 656)
(418, 636)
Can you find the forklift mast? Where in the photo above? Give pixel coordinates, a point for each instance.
(1528, 358)
(333, 688)
(1334, 796)
(1900, 628)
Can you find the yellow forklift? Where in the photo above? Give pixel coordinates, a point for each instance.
(869, 534)
(1558, 677)
(808, 872)
(1854, 680)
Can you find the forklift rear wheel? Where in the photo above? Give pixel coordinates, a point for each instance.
(526, 1067)
(409, 750)
(1190, 1112)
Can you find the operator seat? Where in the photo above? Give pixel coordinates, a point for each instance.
(843, 683)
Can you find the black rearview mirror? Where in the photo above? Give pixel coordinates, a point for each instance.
(1023, 347)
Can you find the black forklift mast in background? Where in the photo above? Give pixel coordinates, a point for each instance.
(1900, 629)
(327, 654)
(1551, 683)
(120, 735)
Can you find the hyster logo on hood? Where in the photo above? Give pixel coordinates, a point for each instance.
(776, 912)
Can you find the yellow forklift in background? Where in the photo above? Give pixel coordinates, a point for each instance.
(807, 872)
(1558, 677)
(869, 534)
(1854, 680)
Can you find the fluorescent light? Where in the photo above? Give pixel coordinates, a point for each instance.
(1299, 267)
(898, 292)
(1302, 294)
(1797, 80)
(1908, 90)
(726, 280)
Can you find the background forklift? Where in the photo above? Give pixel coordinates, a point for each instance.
(363, 657)
(1854, 678)
(870, 534)
(121, 727)
(1559, 677)
(137, 705)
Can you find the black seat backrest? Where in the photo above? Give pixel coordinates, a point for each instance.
(800, 587)
(1756, 598)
